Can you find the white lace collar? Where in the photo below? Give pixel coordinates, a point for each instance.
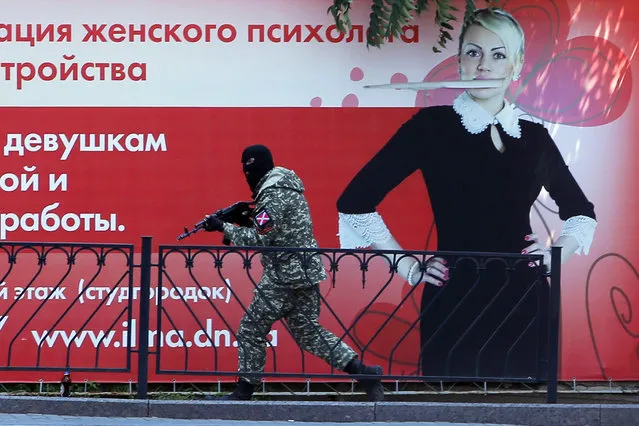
(476, 119)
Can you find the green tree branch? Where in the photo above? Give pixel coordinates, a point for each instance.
(388, 18)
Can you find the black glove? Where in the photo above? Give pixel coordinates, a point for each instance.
(242, 215)
(213, 224)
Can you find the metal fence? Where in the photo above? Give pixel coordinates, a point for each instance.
(496, 320)
(39, 274)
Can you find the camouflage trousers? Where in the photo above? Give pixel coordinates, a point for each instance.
(300, 308)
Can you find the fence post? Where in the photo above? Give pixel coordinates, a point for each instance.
(143, 321)
(554, 324)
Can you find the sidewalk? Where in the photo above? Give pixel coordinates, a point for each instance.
(322, 411)
(40, 419)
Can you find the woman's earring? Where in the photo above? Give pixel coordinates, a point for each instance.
(515, 77)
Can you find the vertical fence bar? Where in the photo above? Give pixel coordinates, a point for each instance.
(554, 324)
(143, 321)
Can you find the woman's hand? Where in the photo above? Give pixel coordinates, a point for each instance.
(436, 272)
(537, 248)
(408, 268)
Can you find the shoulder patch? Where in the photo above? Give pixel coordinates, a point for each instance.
(263, 220)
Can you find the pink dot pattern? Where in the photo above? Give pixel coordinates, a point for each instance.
(357, 74)
(350, 100)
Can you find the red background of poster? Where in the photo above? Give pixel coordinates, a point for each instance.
(159, 192)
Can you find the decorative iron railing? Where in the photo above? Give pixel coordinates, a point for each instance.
(83, 307)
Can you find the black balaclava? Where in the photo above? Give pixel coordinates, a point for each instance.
(257, 161)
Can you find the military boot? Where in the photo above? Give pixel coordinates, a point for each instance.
(373, 387)
(243, 392)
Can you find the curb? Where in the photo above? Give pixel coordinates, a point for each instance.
(265, 411)
(320, 411)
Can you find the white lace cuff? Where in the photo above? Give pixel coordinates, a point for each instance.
(361, 230)
(411, 272)
(582, 228)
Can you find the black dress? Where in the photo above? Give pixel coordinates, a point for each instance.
(483, 322)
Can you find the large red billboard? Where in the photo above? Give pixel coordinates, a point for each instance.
(125, 120)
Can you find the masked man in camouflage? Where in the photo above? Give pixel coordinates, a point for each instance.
(288, 288)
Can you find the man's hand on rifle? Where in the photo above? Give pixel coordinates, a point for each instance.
(213, 223)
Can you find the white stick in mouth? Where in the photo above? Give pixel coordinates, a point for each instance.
(431, 85)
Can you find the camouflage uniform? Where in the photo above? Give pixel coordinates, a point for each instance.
(289, 285)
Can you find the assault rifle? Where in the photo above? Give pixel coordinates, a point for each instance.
(238, 213)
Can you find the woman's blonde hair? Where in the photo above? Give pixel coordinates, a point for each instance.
(505, 26)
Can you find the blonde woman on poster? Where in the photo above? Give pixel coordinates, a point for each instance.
(484, 168)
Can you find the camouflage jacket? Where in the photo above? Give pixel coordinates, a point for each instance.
(282, 218)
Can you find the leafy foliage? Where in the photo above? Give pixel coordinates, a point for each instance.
(388, 18)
